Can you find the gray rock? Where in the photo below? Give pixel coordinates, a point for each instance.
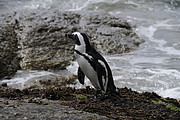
(109, 34)
(39, 37)
(9, 58)
(43, 45)
(42, 109)
(51, 80)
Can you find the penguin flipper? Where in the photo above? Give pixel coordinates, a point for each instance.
(81, 76)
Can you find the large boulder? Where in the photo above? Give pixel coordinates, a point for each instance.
(39, 37)
(43, 42)
(9, 58)
(110, 34)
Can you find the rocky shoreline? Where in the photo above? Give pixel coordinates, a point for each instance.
(51, 103)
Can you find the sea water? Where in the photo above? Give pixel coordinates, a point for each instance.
(154, 66)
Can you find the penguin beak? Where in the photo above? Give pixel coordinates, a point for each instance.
(73, 37)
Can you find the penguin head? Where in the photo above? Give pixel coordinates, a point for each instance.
(80, 39)
(75, 37)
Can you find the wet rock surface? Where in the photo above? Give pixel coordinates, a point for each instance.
(51, 80)
(47, 110)
(37, 39)
(126, 104)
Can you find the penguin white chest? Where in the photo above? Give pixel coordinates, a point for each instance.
(88, 70)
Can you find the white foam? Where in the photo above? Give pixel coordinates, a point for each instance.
(23, 76)
(160, 43)
(35, 4)
(73, 67)
(127, 72)
(172, 92)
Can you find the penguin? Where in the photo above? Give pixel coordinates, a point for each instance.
(92, 64)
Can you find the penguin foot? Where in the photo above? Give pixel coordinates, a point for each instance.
(99, 95)
(95, 98)
(102, 97)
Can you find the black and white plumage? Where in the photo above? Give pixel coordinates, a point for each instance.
(92, 64)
